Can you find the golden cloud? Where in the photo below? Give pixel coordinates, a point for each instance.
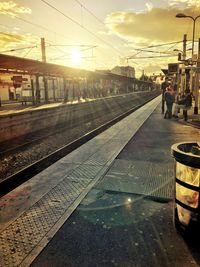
(11, 8)
(185, 3)
(11, 41)
(11, 38)
(152, 26)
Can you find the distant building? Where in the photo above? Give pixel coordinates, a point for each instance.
(127, 71)
(157, 78)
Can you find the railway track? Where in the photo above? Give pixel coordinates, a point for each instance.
(29, 171)
(33, 138)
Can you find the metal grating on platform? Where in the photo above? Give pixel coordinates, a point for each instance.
(140, 177)
(20, 237)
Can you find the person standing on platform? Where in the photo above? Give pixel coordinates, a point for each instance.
(164, 85)
(169, 99)
(185, 104)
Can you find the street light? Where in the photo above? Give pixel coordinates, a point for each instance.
(182, 53)
(181, 15)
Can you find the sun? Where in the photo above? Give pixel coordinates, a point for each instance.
(75, 56)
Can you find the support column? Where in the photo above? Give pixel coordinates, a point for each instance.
(37, 89)
(46, 97)
(54, 93)
(196, 90)
(32, 90)
(65, 90)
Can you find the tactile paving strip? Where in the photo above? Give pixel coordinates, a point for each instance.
(21, 236)
(13, 252)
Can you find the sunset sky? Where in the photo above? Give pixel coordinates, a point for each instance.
(92, 34)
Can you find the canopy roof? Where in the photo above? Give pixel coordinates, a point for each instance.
(17, 65)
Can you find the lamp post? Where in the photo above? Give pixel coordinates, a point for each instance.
(181, 15)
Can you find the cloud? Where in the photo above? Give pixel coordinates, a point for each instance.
(11, 8)
(151, 26)
(11, 41)
(149, 6)
(184, 3)
(11, 38)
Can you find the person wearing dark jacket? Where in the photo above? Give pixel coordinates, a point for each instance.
(185, 104)
(164, 85)
(169, 99)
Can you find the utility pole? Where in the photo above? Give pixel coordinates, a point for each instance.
(43, 50)
(183, 80)
(196, 90)
(184, 46)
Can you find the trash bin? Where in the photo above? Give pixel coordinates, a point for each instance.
(187, 187)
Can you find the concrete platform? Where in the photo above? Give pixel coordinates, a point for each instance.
(125, 217)
(21, 121)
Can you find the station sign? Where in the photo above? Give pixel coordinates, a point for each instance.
(19, 79)
(173, 68)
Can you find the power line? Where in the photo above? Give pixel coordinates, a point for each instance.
(151, 51)
(56, 46)
(77, 23)
(87, 46)
(175, 42)
(67, 57)
(22, 48)
(28, 52)
(152, 57)
(91, 13)
(34, 24)
(151, 46)
(99, 20)
(40, 26)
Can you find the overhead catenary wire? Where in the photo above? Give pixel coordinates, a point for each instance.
(144, 49)
(56, 45)
(164, 52)
(90, 12)
(83, 27)
(67, 54)
(16, 49)
(152, 57)
(40, 26)
(64, 53)
(35, 24)
(28, 52)
(141, 50)
(47, 29)
(151, 51)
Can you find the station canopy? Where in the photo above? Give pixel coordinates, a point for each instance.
(18, 65)
(12, 64)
